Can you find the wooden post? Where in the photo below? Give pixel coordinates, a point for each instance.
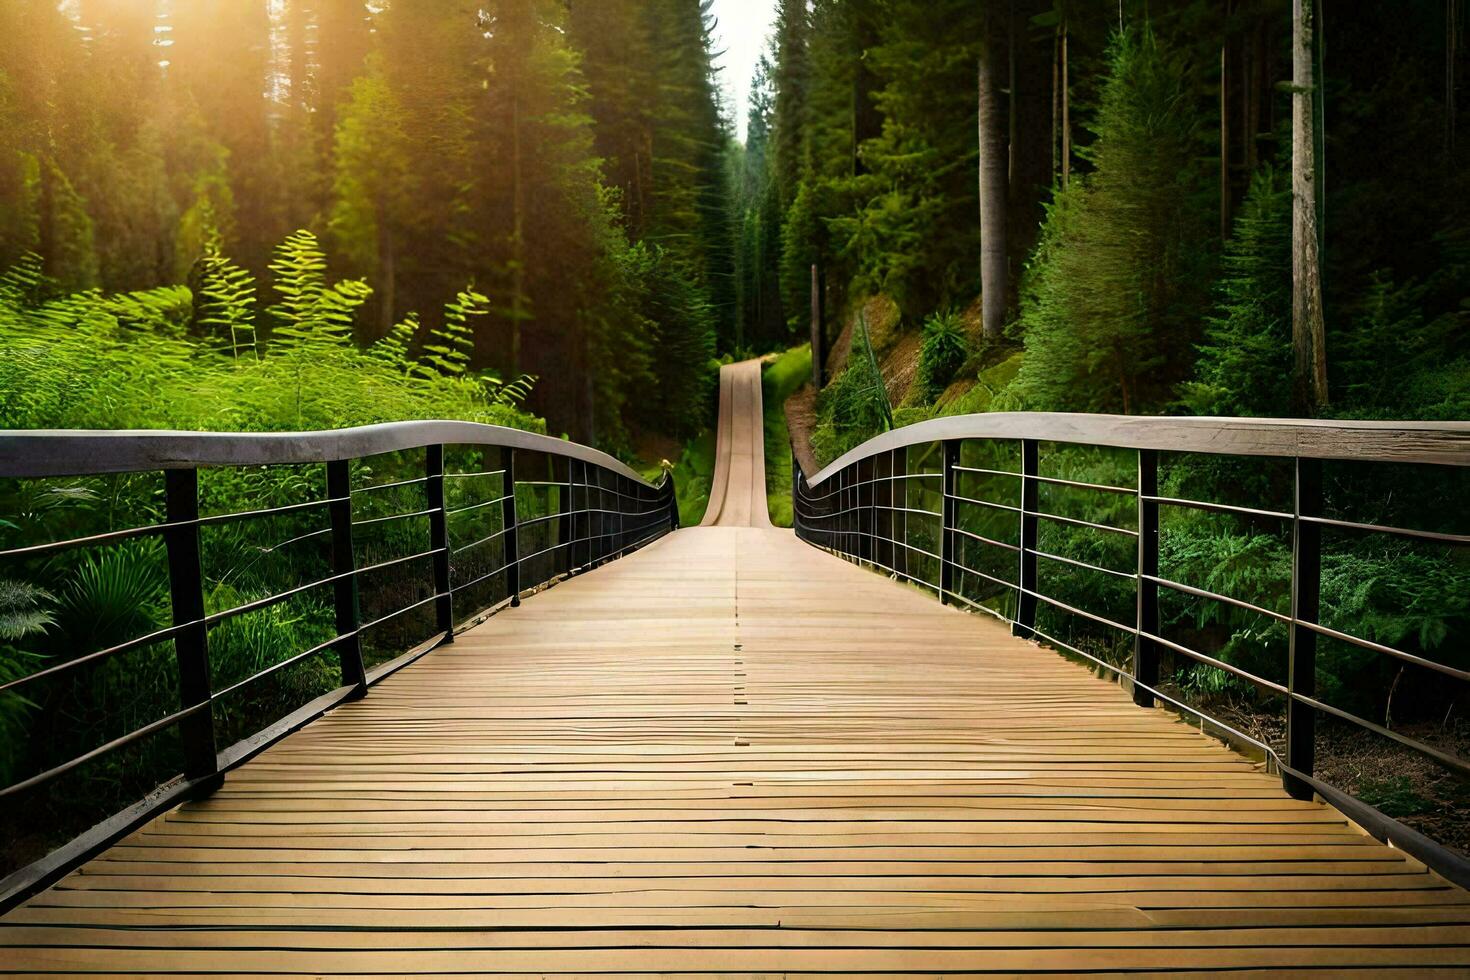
(1306, 597)
(818, 332)
(344, 588)
(512, 549)
(191, 643)
(439, 540)
(1145, 649)
(951, 457)
(1030, 498)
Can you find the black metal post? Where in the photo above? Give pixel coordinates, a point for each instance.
(564, 529)
(344, 588)
(439, 540)
(901, 496)
(581, 517)
(1030, 504)
(1306, 597)
(796, 504)
(1145, 648)
(951, 459)
(191, 643)
(509, 523)
(883, 509)
(866, 487)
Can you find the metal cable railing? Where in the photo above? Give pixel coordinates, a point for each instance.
(584, 508)
(869, 507)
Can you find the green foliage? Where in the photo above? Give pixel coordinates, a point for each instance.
(224, 302)
(1108, 305)
(779, 381)
(450, 345)
(310, 312)
(25, 611)
(943, 352)
(1247, 348)
(680, 335)
(850, 410)
(1393, 796)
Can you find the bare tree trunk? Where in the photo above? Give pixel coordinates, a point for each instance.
(993, 186)
(1308, 329)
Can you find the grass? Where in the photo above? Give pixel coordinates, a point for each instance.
(779, 381)
(693, 473)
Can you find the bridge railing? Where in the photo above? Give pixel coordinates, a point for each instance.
(429, 523)
(965, 507)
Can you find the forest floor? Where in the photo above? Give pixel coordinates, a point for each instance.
(1400, 783)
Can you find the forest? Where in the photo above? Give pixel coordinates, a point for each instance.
(304, 214)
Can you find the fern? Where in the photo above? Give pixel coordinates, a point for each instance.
(393, 347)
(449, 346)
(23, 610)
(311, 312)
(23, 284)
(224, 301)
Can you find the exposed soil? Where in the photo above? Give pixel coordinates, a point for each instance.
(1401, 783)
(801, 418)
(900, 366)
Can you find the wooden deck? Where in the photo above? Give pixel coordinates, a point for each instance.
(732, 753)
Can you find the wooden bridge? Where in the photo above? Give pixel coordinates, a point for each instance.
(731, 752)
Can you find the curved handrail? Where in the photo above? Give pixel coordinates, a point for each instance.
(592, 509)
(865, 512)
(72, 452)
(1399, 442)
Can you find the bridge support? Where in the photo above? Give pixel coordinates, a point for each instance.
(1145, 648)
(1306, 597)
(344, 586)
(508, 523)
(951, 459)
(191, 643)
(1026, 593)
(439, 540)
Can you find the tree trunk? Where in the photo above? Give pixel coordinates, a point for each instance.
(1309, 380)
(993, 163)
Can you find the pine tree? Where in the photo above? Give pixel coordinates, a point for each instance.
(1247, 347)
(1109, 311)
(375, 185)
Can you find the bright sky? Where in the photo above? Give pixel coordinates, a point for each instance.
(741, 33)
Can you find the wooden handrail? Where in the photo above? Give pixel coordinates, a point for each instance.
(1445, 443)
(78, 452)
(854, 515)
